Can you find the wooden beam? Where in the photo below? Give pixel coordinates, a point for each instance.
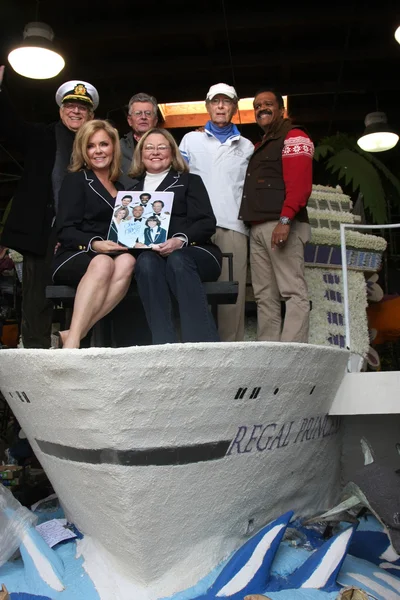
(200, 119)
(194, 114)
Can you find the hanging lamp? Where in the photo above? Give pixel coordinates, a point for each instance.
(378, 135)
(36, 57)
(397, 34)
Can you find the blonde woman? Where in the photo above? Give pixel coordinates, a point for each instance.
(86, 206)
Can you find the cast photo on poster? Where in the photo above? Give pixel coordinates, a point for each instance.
(141, 219)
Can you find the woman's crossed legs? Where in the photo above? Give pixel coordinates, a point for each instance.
(101, 288)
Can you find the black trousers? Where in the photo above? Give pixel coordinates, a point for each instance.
(37, 310)
(180, 274)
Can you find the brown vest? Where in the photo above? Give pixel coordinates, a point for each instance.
(264, 188)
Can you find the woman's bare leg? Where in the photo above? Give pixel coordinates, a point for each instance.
(103, 286)
(118, 287)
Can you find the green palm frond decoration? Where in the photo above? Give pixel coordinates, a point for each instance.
(363, 177)
(322, 151)
(338, 142)
(362, 170)
(388, 174)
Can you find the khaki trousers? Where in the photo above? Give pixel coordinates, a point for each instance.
(279, 275)
(231, 316)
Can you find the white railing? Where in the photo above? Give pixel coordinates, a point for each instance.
(343, 227)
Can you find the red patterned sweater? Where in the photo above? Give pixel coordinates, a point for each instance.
(297, 156)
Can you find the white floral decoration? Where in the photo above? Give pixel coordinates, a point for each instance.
(328, 188)
(320, 328)
(330, 194)
(331, 237)
(341, 216)
(331, 197)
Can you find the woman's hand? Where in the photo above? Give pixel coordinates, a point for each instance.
(169, 246)
(105, 246)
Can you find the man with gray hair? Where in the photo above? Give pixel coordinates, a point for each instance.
(220, 155)
(142, 116)
(29, 228)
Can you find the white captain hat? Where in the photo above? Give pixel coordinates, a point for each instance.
(78, 91)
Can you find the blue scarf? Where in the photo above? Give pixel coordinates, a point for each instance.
(222, 133)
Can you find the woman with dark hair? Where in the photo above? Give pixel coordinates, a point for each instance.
(180, 264)
(86, 206)
(153, 233)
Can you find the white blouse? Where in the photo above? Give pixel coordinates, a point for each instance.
(153, 180)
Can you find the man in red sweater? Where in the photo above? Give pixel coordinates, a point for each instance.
(277, 186)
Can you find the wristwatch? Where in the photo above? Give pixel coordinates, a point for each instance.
(285, 220)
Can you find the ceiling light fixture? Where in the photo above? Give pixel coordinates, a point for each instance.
(36, 57)
(378, 136)
(397, 34)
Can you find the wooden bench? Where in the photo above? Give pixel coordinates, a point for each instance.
(218, 292)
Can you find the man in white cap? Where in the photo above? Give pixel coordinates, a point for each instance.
(29, 226)
(219, 154)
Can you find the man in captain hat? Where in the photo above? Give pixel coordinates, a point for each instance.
(29, 228)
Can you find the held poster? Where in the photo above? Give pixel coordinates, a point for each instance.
(141, 219)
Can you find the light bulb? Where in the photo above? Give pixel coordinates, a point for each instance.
(36, 57)
(36, 62)
(378, 142)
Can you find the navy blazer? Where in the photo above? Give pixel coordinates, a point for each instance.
(28, 226)
(192, 215)
(159, 239)
(84, 214)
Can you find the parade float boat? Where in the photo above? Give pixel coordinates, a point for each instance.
(169, 458)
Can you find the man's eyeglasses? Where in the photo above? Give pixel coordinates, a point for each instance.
(225, 101)
(73, 105)
(159, 148)
(139, 113)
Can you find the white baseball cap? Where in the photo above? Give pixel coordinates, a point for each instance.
(221, 88)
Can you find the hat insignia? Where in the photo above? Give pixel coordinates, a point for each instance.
(80, 90)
